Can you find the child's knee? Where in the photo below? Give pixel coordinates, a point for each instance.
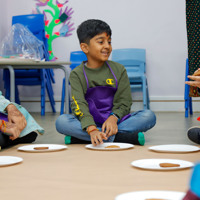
(62, 121)
(149, 117)
(59, 122)
(150, 114)
(31, 137)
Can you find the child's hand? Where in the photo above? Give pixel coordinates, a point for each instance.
(97, 137)
(110, 126)
(16, 117)
(11, 129)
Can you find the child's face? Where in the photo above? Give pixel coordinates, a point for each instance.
(99, 48)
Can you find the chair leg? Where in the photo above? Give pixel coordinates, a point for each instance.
(62, 98)
(186, 103)
(186, 113)
(49, 89)
(190, 105)
(43, 86)
(6, 77)
(17, 100)
(144, 93)
(52, 102)
(7, 93)
(186, 108)
(43, 98)
(188, 99)
(148, 99)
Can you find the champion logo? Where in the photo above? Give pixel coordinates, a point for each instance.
(110, 81)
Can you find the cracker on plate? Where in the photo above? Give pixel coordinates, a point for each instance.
(112, 146)
(41, 148)
(169, 165)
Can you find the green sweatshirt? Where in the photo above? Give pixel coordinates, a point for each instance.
(101, 76)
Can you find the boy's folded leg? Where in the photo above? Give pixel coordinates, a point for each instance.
(194, 134)
(132, 138)
(74, 140)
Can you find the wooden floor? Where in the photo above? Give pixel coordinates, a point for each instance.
(78, 173)
(171, 128)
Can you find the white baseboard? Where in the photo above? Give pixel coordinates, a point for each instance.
(157, 104)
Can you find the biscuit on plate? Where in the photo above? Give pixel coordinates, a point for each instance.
(169, 165)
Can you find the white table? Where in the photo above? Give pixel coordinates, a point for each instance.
(12, 64)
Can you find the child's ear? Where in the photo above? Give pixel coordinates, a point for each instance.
(84, 47)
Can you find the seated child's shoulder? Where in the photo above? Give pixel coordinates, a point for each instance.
(77, 69)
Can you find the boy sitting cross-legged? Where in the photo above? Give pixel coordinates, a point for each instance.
(101, 95)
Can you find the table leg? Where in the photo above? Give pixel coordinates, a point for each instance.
(66, 90)
(12, 83)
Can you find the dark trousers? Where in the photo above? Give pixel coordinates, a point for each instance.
(6, 142)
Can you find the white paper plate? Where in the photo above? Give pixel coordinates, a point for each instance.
(51, 147)
(103, 146)
(9, 160)
(175, 148)
(153, 164)
(143, 195)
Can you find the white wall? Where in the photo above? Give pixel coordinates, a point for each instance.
(159, 26)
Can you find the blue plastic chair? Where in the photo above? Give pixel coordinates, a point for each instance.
(43, 77)
(134, 60)
(76, 58)
(188, 99)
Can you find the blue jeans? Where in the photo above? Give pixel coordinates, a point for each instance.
(139, 121)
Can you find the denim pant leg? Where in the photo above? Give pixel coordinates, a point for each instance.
(139, 121)
(69, 125)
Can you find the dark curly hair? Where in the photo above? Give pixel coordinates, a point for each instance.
(90, 28)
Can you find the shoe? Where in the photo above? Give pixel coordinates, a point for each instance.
(194, 134)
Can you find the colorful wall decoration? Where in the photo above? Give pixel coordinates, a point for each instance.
(57, 16)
